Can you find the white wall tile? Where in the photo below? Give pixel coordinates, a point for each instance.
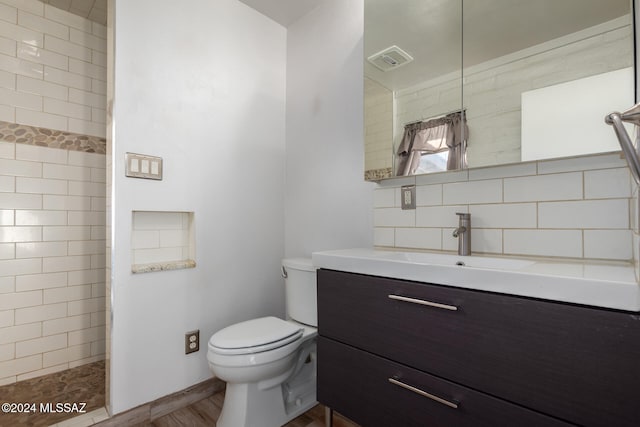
(86, 218)
(32, 217)
(39, 24)
(20, 201)
(99, 30)
(87, 98)
(419, 238)
(41, 88)
(438, 216)
(98, 175)
(91, 247)
(70, 293)
(20, 332)
(91, 160)
(40, 345)
(67, 172)
(99, 318)
(607, 184)
(20, 168)
(32, 282)
(147, 256)
(20, 299)
(42, 56)
(6, 318)
(488, 191)
(82, 277)
(21, 34)
(608, 244)
(65, 78)
(566, 186)
(384, 197)
(24, 364)
(7, 250)
(9, 14)
(17, 98)
(20, 66)
(554, 243)
(40, 249)
(66, 203)
(88, 40)
(509, 215)
(7, 80)
(41, 372)
(7, 113)
(429, 195)
(98, 204)
(87, 127)
(65, 355)
(612, 213)
(86, 69)
(40, 313)
(34, 153)
(66, 233)
(20, 234)
(45, 120)
(41, 186)
(391, 217)
(145, 239)
(485, 240)
(86, 335)
(66, 18)
(6, 217)
(7, 184)
(98, 232)
(65, 263)
(98, 86)
(67, 48)
(67, 324)
(7, 150)
(72, 111)
(32, 6)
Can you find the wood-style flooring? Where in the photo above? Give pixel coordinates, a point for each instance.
(84, 384)
(205, 413)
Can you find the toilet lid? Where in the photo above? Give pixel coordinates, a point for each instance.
(254, 336)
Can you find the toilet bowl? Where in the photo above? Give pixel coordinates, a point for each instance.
(269, 364)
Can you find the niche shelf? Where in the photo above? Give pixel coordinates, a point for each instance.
(162, 240)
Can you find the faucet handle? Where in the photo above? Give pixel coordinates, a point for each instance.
(463, 215)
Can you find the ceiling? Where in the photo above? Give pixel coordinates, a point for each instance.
(94, 10)
(284, 12)
(430, 31)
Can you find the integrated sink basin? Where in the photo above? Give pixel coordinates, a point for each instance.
(600, 284)
(456, 260)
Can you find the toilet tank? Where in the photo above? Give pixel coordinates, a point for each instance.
(300, 289)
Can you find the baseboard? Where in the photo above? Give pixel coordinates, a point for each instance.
(151, 411)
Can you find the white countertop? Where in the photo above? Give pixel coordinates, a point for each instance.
(599, 284)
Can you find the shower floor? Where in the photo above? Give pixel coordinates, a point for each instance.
(84, 384)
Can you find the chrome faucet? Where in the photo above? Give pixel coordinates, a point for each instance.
(463, 233)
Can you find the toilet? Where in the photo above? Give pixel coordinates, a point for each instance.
(269, 364)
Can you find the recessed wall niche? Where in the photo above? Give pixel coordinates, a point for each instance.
(162, 240)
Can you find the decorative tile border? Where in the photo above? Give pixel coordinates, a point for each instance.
(377, 174)
(43, 137)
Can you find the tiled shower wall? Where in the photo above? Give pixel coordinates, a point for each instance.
(577, 207)
(52, 258)
(52, 68)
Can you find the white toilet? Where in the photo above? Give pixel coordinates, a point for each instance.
(269, 364)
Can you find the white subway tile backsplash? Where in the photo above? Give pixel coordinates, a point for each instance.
(7, 150)
(66, 203)
(41, 372)
(21, 34)
(586, 214)
(66, 18)
(17, 98)
(72, 111)
(76, 173)
(384, 197)
(20, 201)
(7, 250)
(607, 183)
(394, 217)
(145, 239)
(485, 240)
(8, 13)
(8, 47)
(34, 153)
(555, 243)
(488, 191)
(88, 40)
(11, 167)
(87, 127)
(608, 244)
(429, 195)
(565, 186)
(98, 175)
(86, 218)
(90, 160)
(438, 216)
(11, 301)
(99, 30)
(613, 160)
(41, 88)
(148, 256)
(7, 285)
(91, 247)
(83, 277)
(7, 113)
(420, 238)
(7, 184)
(35, 7)
(86, 335)
(7, 80)
(65, 355)
(87, 98)
(98, 86)
(6, 217)
(383, 236)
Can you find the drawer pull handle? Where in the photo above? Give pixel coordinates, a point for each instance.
(423, 302)
(423, 393)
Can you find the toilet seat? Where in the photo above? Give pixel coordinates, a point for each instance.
(255, 336)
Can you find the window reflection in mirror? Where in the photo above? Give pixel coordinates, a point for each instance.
(538, 76)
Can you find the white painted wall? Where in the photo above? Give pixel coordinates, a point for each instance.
(328, 204)
(203, 87)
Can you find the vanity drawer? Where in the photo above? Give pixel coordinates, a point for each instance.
(374, 391)
(574, 363)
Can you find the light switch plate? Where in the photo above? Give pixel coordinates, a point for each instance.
(143, 166)
(408, 197)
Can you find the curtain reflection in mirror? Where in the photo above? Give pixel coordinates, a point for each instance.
(433, 145)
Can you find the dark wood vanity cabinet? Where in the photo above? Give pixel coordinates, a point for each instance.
(400, 353)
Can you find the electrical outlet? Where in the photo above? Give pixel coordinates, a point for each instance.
(192, 341)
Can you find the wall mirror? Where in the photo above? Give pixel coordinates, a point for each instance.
(489, 82)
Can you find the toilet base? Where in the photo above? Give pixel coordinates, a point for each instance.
(245, 405)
